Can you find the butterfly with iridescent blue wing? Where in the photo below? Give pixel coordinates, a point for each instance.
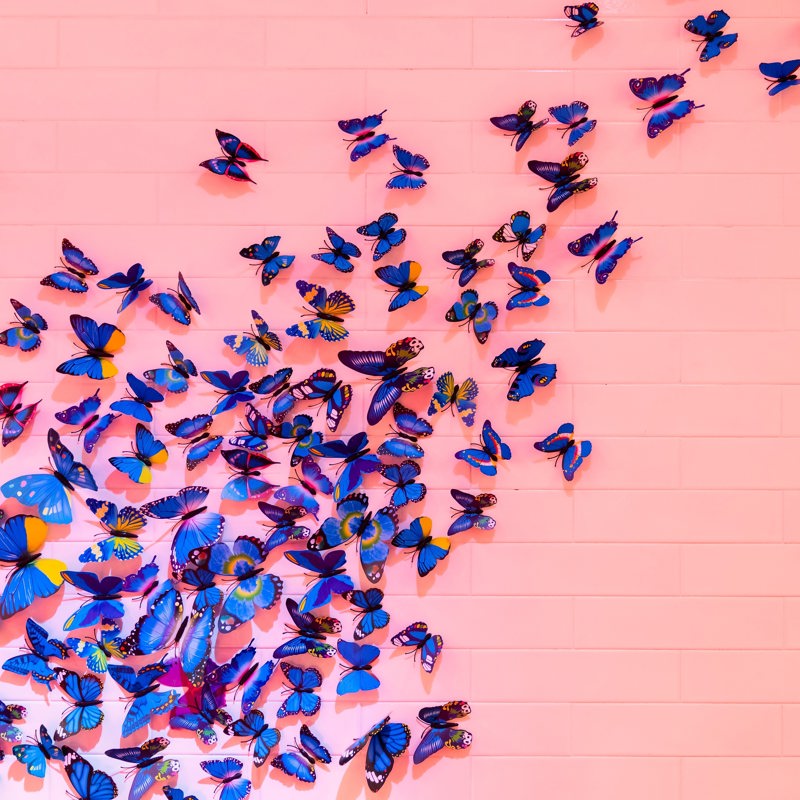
(142, 582)
(327, 310)
(98, 650)
(156, 629)
(427, 550)
(277, 387)
(573, 117)
(520, 126)
(528, 289)
(584, 16)
(564, 176)
(302, 698)
(246, 482)
(89, 783)
(465, 262)
(173, 376)
(409, 171)
(25, 334)
(323, 387)
(442, 730)
(468, 310)
(14, 414)
(139, 401)
(356, 461)
(91, 425)
(103, 603)
(148, 767)
(241, 672)
(171, 793)
(387, 740)
(282, 524)
(338, 253)
(232, 389)
(100, 343)
(518, 232)
(364, 140)
(410, 429)
(203, 583)
(300, 763)
(660, 94)
(177, 303)
(84, 693)
(471, 515)
(330, 576)
(36, 661)
(271, 262)
(147, 699)
(383, 234)
(256, 344)
(199, 444)
(529, 371)
(299, 432)
(604, 251)
(357, 675)
(487, 453)
(370, 613)
(36, 755)
(458, 397)
(120, 531)
(237, 154)
(77, 267)
(310, 482)
(197, 644)
(780, 74)
(310, 633)
(403, 483)
(567, 449)
(132, 283)
(261, 738)
(227, 772)
(199, 710)
(428, 645)
(147, 451)
(403, 280)
(714, 41)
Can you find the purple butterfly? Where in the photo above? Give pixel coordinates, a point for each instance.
(660, 95)
(604, 250)
(410, 167)
(364, 140)
(237, 153)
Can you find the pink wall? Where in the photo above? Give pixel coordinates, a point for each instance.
(635, 634)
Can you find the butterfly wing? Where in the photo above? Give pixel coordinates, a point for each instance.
(387, 744)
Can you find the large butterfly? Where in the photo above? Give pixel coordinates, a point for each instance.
(488, 452)
(389, 367)
(26, 334)
(227, 772)
(77, 267)
(323, 387)
(103, 604)
(271, 262)
(403, 280)
(528, 370)
(410, 429)
(200, 444)
(132, 283)
(14, 414)
(519, 125)
(383, 233)
(428, 645)
(173, 376)
(257, 732)
(469, 311)
(100, 343)
(338, 253)
(662, 100)
(403, 482)
(177, 303)
(471, 515)
(327, 310)
(780, 74)
(199, 710)
(356, 461)
(358, 675)
(519, 233)
(146, 700)
(83, 692)
(51, 490)
(148, 766)
(246, 482)
(89, 783)
(409, 168)
(528, 289)
(567, 449)
(311, 482)
(156, 629)
(584, 16)
(330, 579)
(465, 263)
(458, 396)
(370, 613)
(300, 763)
(237, 154)
(36, 755)
(426, 549)
(36, 661)
(364, 140)
(147, 451)
(232, 389)
(120, 530)
(604, 251)
(714, 41)
(255, 346)
(573, 117)
(387, 740)
(278, 387)
(310, 634)
(91, 425)
(564, 177)
(139, 401)
(302, 698)
(442, 730)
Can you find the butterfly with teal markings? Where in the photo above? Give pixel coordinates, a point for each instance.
(38, 754)
(469, 311)
(174, 375)
(97, 651)
(25, 334)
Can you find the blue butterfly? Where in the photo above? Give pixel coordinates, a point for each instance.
(173, 376)
(14, 414)
(26, 334)
(327, 309)
(253, 728)
(21, 540)
(573, 117)
(428, 645)
(147, 450)
(177, 303)
(228, 774)
(36, 661)
(410, 167)
(88, 782)
(100, 343)
(171, 793)
(237, 153)
(330, 579)
(276, 386)
(780, 74)
(139, 401)
(200, 444)
(255, 346)
(121, 528)
(132, 282)
(519, 233)
(471, 515)
(323, 387)
(232, 388)
(104, 604)
(35, 756)
(403, 278)
(240, 672)
(364, 140)
(383, 233)
(197, 643)
(311, 482)
(143, 581)
(357, 677)
(148, 766)
(661, 96)
(387, 740)
(469, 311)
(564, 176)
(255, 685)
(146, 701)
(441, 729)
(299, 432)
(302, 684)
(311, 634)
(255, 435)
(357, 461)
(605, 252)
(403, 482)
(488, 452)
(452, 395)
(200, 708)
(96, 652)
(714, 41)
(203, 582)
(91, 425)
(410, 429)
(9, 714)
(156, 629)
(283, 524)
(528, 290)
(300, 764)
(566, 448)
(519, 125)
(585, 17)
(338, 253)
(465, 263)
(77, 267)
(370, 614)
(246, 483)
(529, 372)
(271, 261)
(84, 693)
(426, 549)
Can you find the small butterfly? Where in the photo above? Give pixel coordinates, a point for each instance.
(139, 401)
(173, 376)
(330, 579)
(77, 267)
(338, 253)
(567, 449)
(529, 371)
(255, 346)
(203, 582)
(471, 312)
(200, 708)
(83, 692)
(410, 167)
(660, 95)
(585, 17)
(146, 700)
(36, 755)
(258, 428)
(465, 263)
(404, 280)
(383, 233)
(120, 528)
(780, 74)
(519, 232)
(147, 450)
(441, 730)
(91, 425)
(605, 251)
(364, 140)
(257, 732)
(246, 483)
(357, 461)
(132, 282)
(311, 632)
(283, 524)
(301, 699)
(471, 515)
(328, 311)
(387, 740)
(100, 343)
(36, 661)
(528, 289)
(426, 549)
(14, 414)
(573, 117)
(300, 764)
(278, 387)
(228, 774)
(410, 429)
(143, 581)
(237, 154)
(148, 767)
(487, 452)
(714, 41)
(403, 484)
(358, 675)
(8, 714)
(452, 395)
(97, 651)
(428, 645)
(311, 482)
(564, 177)
(199, 443)
(232, 388)
(88, 782)
(177, 303)
(520, 125)
(271, 261)
(370, 614)
(26, 334)
(323, 387)
(299, 431)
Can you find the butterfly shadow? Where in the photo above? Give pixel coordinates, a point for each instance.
(418, 770)
(517, 413)
(279, 776)
(360, 699)
(582, 44)
(782, 102)
(219, 186)
(134, 493)
(13, 629)
(397, 199)
(66, 299)
(19, 775)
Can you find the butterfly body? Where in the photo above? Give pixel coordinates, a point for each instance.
(529, 371)
(83, 693)
(565, 177)
(661, 95)
(302, 698)
(338, 253)
(100, 343)
(469, 311)
(364, 140)
(714, 41)
(383, 234)
(14, 414)
(237, 155)
(605, 251)
(271, 262)
(139, 401)
(403, 482)
(77, 267)
(520, 126)
(780, 75)
(358, 676)
(567, 449)
(177, 303)
(584, 16)
(410, 170)
(258, 733)
(25, 335)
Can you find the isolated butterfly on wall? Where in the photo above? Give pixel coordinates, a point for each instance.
(200, 444)
(780, 74)
(103, 603)
(567, 449)
(98, 650)
(89, 783)
(487, 453)
(76, 269)
(14, 414)
(573, 116)
(364, 140)
(300, 433)
(24, 335)
(338, 253)
(255, 346)
(246, 482)
(520, 125)
(519, 233)
(529, 370)
(121, 527)
(310, 634)
(227, 772)
(427, 645)
(328, 311)
(139, 401)
(410, 429)
(442, 730)
(173, 376)
(661, 97)
(261, 738)
(83, 693)
(331, 577)
(356, 461)
(386, 741)
(282, 523)
(232, 389)
(358, 675)
(277, 387)
(714, 41)
(302, 685)
(148, 767)
(469, 311)
(177, 303)
(410, 168)
(36, 660)
(370, 613)
(564, 177)
(465, 263)
(36, 755)
(403, 482)
(91, 425)
(403, 280)
(199, 710)
(383, 233)
(310, 482)
(323, 387)
(300, 763)
(146, 700)
(147, 451)
(426, 549)
(237, 154)
(156, 629)
(271, 262)
(458, 397)
(50, 491)
(528, 289)
(604, 251)
(132, 283)
(100, 343)
(584, 16)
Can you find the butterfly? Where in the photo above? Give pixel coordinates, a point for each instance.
(660, 95)
(410, 429)
(283, 524)
(519, 232)
(364, 140)
(780, 74)
(200, 444)
(441, 730)
(255, 346)
(237, 154)
(100, 343)
(203, 582)
(132, 282)
(228, 774)
(241, 671)
(171, 793)
(331, 577)
(474, 314)
(147, 450)
(51, 491)
(328, 311)
(410, 169)
(404, 280)
(387, 740)
(9, 714)
(357, 461)
(146, 700)
(311, 482)
(253, 728)
(77, 267)
(564, 177)
(487, 453)
(529, 372)
(338, 253)
(605, 251)
(300, 764)
(428, 645)
(88, 782)
(528, 289)
(278, 387)
(84, 694)
(91, 425)
(36, 755)
(302, 685)
(173, 376)
(148, 765)
(301, 435)
(140, 400)
(232, 388)
(97, 651)
(573, 117)
(426, 549)
(104, 604)
(246, 483)
(120, 528)
(520, 125)
(370, 614)
(311, 634)
(585, 17)
(177, 303)
(322, 386)
(714, 41)
(195, 526)
(403, 483)
(14, 414)
(389, 367)
(156, 629)
(143, 581)
(36, 661)
(26, 334)
(471, 515)
(563, 443)
(383, 233)
(452, 395)
(358, 675)
(271, 262)
(465, 263)
(200, 708)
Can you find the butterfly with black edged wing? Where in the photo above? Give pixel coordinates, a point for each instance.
(323, 387)
(780, 74)
(403, 280)
(83, 693)
(35, 756)
(529, 370)
(410, 429)
(177, 303)
(300, 762)
(277, 387)
(714, 41)
(261, 738)
(160, 627)
(564, 177)
(428, 645)
(199, 443)
(14, 414)
(442, 730)
(147, 766)
(91, 425)
(383, 234)
(520, 233)
(370, 613)
(199, 710)
(88, 782)
(300, 433)
(100, 343)
(357, 675)
(121, 529)
(567, 449)
(409, 170)
(364, 140)
(232, 389)
(528, 289)
(255, 346)
(311, 482)
(24, 335)
(302, 697)
(661, 97)
(173, 376)
(487, 453)
(237, 154)
(227, 772)
(282, 523)
(146, 698)
(139, 401)
(427, 550)
(77, 267)
(330, 576)
(356, 461)
(458, 397)
(604, 250)
(36, 660)
(468, 310)
(327, 310)
(271, 262)
(132, 283)
(338, 253)
(246, 483)
(584, 16)
(519, 125)
(386, 741)
(98, 650)
(403, 482)
(573, 116)
(10, 714)
(465, 262)
(310, 633)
